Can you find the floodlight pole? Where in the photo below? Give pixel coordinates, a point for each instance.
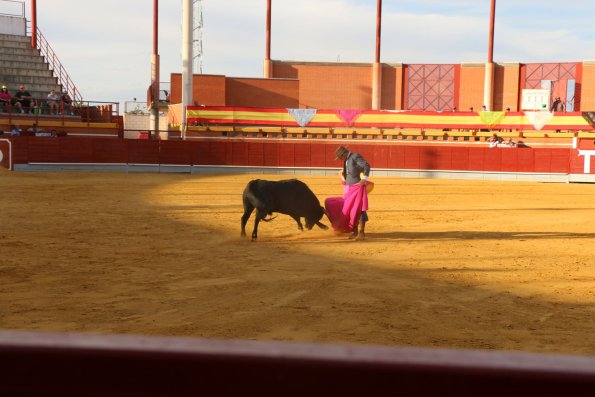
(154, 96)
(377, 67)
(186, 62)
(33, 23)
(268, 64)
(489, 69)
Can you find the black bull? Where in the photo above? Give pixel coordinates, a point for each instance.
(290, 197)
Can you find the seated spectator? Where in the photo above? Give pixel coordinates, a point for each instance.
(4, 99)
(15, 130)
(34, 129)
(22, 99)
(53, 102)
(494, 140)
(66, 103)
(507, 143)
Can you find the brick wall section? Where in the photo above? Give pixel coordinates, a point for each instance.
(392, 86)
(471, 88)
(209, 90)
(342, 85)
(218, 90)
(506, 86)
(588, 86)
(255, 92)
(348, 85)
(330, 85)
(284, 70)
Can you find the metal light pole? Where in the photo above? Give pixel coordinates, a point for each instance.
(186, 61)
(154, 97)
(377, 67)
(488, 97)
(268, 64)
(34, 23)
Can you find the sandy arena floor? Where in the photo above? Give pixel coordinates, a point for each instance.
(463, 264)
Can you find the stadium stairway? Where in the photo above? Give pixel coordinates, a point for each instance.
(21, 64)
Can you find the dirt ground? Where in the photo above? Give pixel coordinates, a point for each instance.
(446, 263)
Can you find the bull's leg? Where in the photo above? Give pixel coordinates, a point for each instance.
(299, 223)
(248, 208)
(260, 214)
(321, 225)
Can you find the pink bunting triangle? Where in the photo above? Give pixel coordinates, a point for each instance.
(348, 115)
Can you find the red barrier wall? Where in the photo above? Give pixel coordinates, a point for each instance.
(5, 150)
(50, 364)
(307, 154)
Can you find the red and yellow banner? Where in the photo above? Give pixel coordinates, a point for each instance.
(218, 115)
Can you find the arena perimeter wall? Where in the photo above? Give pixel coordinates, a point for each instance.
(299, 157)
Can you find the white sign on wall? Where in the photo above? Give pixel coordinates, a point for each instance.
(535, 100)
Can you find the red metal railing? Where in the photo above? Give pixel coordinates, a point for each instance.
(79, 111)
(56, 66)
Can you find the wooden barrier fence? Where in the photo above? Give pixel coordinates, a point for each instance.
(51, 364)
(301, 154)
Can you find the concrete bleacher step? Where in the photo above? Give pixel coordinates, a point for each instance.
(4, 43)
(12, 51)
(5, 36)
(25, 72)
(25, 63)
(29, 80)
(25, 59)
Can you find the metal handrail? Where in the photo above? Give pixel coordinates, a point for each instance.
(56, 66)
(81, 111)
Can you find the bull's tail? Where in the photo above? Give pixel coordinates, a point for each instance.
(269, 219)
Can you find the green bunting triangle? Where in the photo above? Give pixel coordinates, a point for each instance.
(491, 118)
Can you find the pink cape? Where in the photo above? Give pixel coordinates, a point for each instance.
(344, 212)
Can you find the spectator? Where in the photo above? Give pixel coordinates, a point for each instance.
(66, 103)
(22, 99)
(53, 106)
(15, 130)
(484, 108)
(34, 129)
(471, 109)
(558, 105)
(4, 99)
(37, 131)
(507, 143)
(494, 140)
